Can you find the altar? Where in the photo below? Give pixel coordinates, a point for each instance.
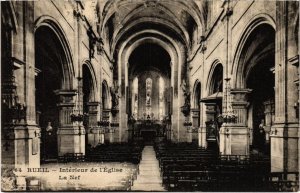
(149, 129)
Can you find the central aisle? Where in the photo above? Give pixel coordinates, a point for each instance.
(149, 178)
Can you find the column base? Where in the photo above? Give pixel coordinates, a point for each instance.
(21, 145)
(284, 139)
(71, 140)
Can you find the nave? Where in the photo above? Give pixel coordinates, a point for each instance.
(166, 166)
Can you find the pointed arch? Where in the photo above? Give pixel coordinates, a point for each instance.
(92, 73)
(68, 67)
(211, 75)
(255, 22)
(196, 94)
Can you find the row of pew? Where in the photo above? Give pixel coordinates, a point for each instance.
(185, 167)
(116, 152)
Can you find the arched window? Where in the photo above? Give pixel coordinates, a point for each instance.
(148, 96)
(135, 98)
(161, 98)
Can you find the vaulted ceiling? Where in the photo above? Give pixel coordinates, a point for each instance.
(181, 20)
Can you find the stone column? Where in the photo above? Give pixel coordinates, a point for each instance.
(285, 131)
(235, 135)
(20, 135)
(196, 123)
(123, 117)
(108, 135)
(71, 137)
(195, 117)
(93, 130)
(175, 118)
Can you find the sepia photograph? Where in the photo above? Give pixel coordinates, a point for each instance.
(150, 96)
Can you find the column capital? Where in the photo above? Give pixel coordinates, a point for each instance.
(240, 96)
(65, 92)
(93, 107)
(240, 91)
(195, 112)
(66, 97)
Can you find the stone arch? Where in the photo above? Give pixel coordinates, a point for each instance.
(126, 20)
(149, 35)
(237, 68)
(94, 85)
(53, 83)
(191, 8)
(253, 68)
(9, 15)
(158, 22)
(211, 76)
(55, 27)
(196, 94)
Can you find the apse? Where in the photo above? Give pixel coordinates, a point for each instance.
(150, 72)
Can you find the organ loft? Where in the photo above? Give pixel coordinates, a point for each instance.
(168, 95)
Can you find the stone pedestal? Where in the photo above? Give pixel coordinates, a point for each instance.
(71, 136)
(234, 136)
(21, 145)
(284, 147)
(93, 130)
(71, 139)
(234, 140)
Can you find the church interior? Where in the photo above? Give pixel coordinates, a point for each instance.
(158, 95)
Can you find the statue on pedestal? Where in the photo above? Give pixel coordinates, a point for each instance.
(185, 109)
(114, 91)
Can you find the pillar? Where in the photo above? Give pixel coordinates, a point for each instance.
(94, 134)
(196, 124)
(285, 131)
(71, 136)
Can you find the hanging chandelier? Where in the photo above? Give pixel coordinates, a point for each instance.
(77, 115)
(228, 116)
